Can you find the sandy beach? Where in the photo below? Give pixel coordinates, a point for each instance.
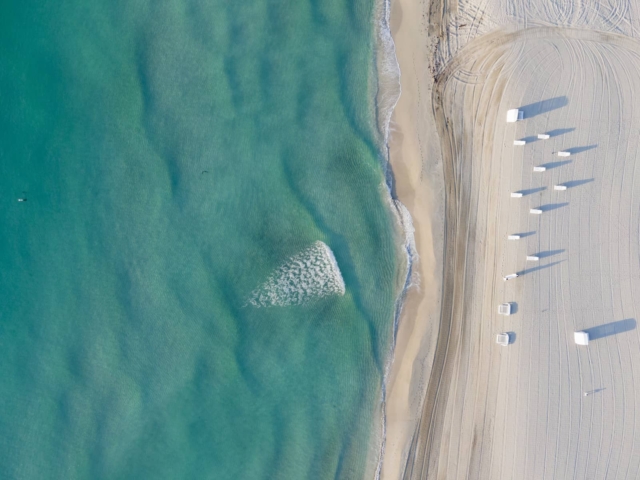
(459, 405)
(414, 145)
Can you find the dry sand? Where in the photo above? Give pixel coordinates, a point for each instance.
(492, 412)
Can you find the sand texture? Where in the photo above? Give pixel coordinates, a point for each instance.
(493, 412)
(455, 23)
(419, 185)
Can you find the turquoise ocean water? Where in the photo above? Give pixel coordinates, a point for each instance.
(173, 155)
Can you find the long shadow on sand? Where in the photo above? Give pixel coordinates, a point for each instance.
(612, 328)
(552, 206)
(551, 165)
(531, 191)
(552, 133)
(539, 267)
(544, 106)
(549, 253)
(574, 150)
(577, 183)
(559, 131)
(525, 234)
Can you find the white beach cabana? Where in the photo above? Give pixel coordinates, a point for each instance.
(543, 136)
(516, 194)
(581, 338)
(503, 339)
(539, 169)
(511, 276)
(504, 309)
(514, 115)
(519, 142)
(513, 237)
(564, 154)
(559, 187)
(532, 258)
(535, 211)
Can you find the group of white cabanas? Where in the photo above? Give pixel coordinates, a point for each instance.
(580, 338)
(514, 115)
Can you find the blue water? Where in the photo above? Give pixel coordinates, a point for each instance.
(173, 155)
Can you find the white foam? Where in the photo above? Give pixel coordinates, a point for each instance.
(387, 70)
(389, 90)
(311, 274)
(406, 221)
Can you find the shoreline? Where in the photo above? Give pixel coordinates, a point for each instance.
(418, 184)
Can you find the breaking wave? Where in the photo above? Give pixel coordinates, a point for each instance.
(311, 274)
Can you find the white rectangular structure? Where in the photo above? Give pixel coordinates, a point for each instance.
(502, 339)
(504, 309)
(519, 142)
(543, 136)
(514, 115)
(516, 194)
(559, 187)
(511, 276)
(564, 154)
(539, 169)
(513, 237)
(535, 211)
(581, 338)
(532, 258)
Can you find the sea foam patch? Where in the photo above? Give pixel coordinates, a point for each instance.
(311, 274)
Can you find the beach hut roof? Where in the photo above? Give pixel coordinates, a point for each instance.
(513, 115)
(581, 338)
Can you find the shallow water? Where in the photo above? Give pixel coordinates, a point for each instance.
(173, 156)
